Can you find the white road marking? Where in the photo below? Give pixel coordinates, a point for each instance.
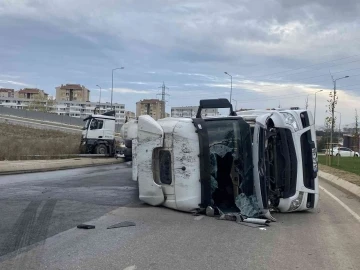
(263, 229)
(198, 217)
(347, 208)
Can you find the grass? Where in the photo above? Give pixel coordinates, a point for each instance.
(348, 168)
(21, 142)
(349, 164)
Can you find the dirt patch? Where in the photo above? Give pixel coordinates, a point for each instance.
(350, 177)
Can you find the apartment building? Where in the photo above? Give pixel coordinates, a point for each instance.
(69, 108)
(6, 92)
(72, 92)
(153, 107)
(84, 109)
(31, 93)
(190, 112)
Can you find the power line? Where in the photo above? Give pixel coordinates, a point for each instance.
(279, 72)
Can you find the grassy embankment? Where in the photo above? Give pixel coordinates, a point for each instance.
(348, 168)
(21, 142)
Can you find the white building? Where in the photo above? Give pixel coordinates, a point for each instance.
(84, 109)
(70, 108)
(190, 112)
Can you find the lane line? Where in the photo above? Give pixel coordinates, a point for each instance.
(347, 208)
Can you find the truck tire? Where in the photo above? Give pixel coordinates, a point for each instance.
(101, 149)
(128, 143)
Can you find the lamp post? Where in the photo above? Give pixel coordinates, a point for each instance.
(332, 114)
(100, 93)
(230, 84)
(235, 104)
(315, 106)
(112, 83)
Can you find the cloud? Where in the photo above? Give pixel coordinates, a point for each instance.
(131, 91)
(14, 83)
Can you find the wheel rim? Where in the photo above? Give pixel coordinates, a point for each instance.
(102, 150)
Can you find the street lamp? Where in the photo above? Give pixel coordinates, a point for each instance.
(112, 83)
(235, 104)
(100, 93)
(315, 105)
(332, 113)
(230, 84)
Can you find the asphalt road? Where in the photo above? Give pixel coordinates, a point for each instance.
(39, 211)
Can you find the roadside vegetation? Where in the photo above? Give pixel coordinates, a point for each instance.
(22, 142)
(348, 168)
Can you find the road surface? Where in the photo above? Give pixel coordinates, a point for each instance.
(39, 212)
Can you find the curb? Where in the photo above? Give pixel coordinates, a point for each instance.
(341, 183)
(65, 167)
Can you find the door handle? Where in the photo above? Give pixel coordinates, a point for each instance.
(100, 137)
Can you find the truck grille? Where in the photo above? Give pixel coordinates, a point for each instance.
(306, 148)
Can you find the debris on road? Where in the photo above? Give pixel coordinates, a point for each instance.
(122, 224)
(85, 226)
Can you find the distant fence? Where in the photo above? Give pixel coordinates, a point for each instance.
(48, 117)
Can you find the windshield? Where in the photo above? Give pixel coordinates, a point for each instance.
(87, 122)
(225, 133)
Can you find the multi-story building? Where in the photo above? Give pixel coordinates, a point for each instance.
(153, 107)
(6, 92)
(31, 93)
(72, 92)
(190, 112)
(69, 108)
(84, 109)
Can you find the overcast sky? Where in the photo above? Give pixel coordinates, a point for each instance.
(278, 51)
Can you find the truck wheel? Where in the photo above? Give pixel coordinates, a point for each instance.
(101, 149)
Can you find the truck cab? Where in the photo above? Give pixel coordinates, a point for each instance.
(98, 134)
(262, 159)
(191, 164)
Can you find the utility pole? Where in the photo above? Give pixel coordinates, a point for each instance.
(112, 83)
(315, 105)
(100, 93)
(163, 97)
(230, 84)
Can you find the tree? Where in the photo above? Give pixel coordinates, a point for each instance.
(356, 131)
(41, 104)
(330, 120)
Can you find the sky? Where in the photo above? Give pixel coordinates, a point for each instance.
(279, 52)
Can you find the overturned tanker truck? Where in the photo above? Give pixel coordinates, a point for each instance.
(249, 164)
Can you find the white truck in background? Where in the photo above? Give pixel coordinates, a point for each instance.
(98, 134)
(261, 157)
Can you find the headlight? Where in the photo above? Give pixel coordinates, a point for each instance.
(295, 204)
(315, 159)
(290, 120)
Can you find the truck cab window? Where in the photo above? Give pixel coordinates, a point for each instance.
(96, 124)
